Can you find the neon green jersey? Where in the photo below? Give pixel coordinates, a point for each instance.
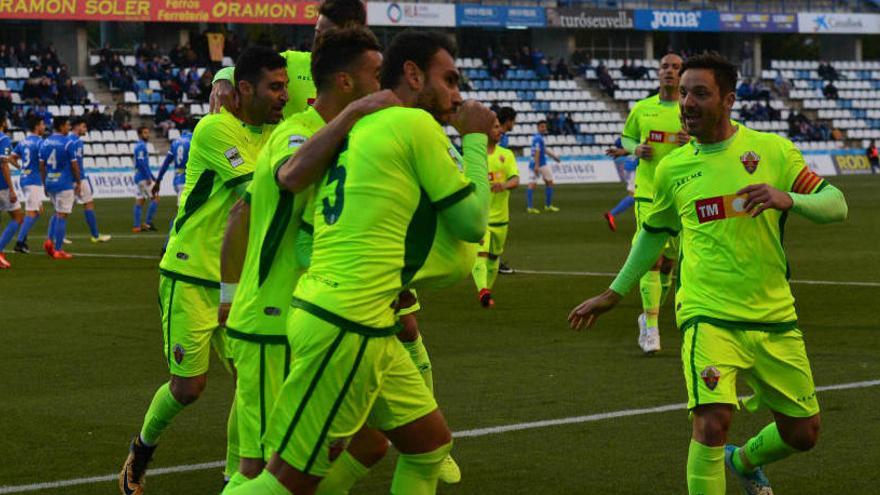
(271, 268)
(655, 122)
(733, 267)
(502, 168)
(301, 91)
(376, 225)
(222, 156)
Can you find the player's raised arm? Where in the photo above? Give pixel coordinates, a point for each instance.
(311, 160)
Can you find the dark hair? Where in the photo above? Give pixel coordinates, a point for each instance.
(542, 121)
(416, 46)
(344, 13)
(32, 122)
(722, 69)
(76, 121)
(339, 50)
(58, 122)
(141, 129)
(506, 114)
(250, 64)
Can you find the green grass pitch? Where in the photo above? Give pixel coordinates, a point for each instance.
(81, 355)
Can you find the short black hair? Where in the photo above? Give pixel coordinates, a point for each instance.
(76, 121)
(338, 50)
(58, 122)
(141, 129)
(416, 46)
(506, 114)
(250, 64)
(32, 122)
(723, 70)
(542, 121)
(344, 13)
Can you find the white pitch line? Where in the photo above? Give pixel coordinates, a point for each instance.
(607, 274)
(118, 256)
(121, 236)
(477, 432)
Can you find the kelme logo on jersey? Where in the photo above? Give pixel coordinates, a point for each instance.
(456, 157)
(750, 161)
(179, 353)
(721, 207)
(233, 156)
(710, 376)
(295, 141)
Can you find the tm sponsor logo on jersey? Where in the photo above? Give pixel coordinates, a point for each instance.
(721, 207)
(674, 19)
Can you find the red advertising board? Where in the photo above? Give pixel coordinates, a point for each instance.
(222, 11)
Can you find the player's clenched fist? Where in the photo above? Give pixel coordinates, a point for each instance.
(473, 118)
(586, 313)
(644, 151)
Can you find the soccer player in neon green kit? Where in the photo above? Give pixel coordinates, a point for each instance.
(652, 131)
(503, 177)
(223, 154)
(728, 194)
(345, 67)
(399, 208)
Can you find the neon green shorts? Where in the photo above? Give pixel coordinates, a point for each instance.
(261, 363)
(774, 364)
(641, 209)
(189, 326)
(494, 240)
(341, 380)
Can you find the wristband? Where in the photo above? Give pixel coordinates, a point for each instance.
(227, 292)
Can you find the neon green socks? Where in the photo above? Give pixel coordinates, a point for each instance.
(666, 285)
(419, 356)
(651, 291)
(764, 448)
(264, 484)
(232, 445)
(491, 271)
(416, 474)
(161, 412)
(480, 273)
(343, 474)
(705, 469)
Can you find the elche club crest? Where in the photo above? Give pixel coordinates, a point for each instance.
(750, 161)
(179, 353)
(710, 376)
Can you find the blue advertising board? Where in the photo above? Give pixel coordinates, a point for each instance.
(677, 20)
(499, 16)
(755, 22)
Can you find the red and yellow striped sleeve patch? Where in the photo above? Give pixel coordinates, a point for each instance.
(806, 182)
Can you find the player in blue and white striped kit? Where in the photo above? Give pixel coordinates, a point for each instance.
(60, 170)
(143, 179)
(27, 157)
(78, 129)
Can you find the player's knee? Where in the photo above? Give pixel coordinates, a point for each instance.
(803, 435)
(188, 390)
(711, 424)
(250, 468)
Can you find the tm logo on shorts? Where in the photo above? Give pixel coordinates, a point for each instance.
(179, 353)
(710, 376)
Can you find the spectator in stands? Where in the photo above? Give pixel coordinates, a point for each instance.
(780, 86)
(171, 90)
(827, 72)
(163, 119)
(542, 68)
(181, 118)
(569, 125)
(207, 78)
(873, 156)
(745, 60)
(633, 71)
(746, 90)
(562, 72)
(830, 91)
(560, 124)
(552, 121)
(605, 80)
(122, 117)
(6, 106)
(496, 68)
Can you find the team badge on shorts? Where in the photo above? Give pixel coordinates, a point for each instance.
(337, 447)
(750, 161)
(179, 353)
(710, 376)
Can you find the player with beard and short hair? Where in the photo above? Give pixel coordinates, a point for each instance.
(728, 193)
(78, 129)
(652, 131)
(222, 157)
(399, 208)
